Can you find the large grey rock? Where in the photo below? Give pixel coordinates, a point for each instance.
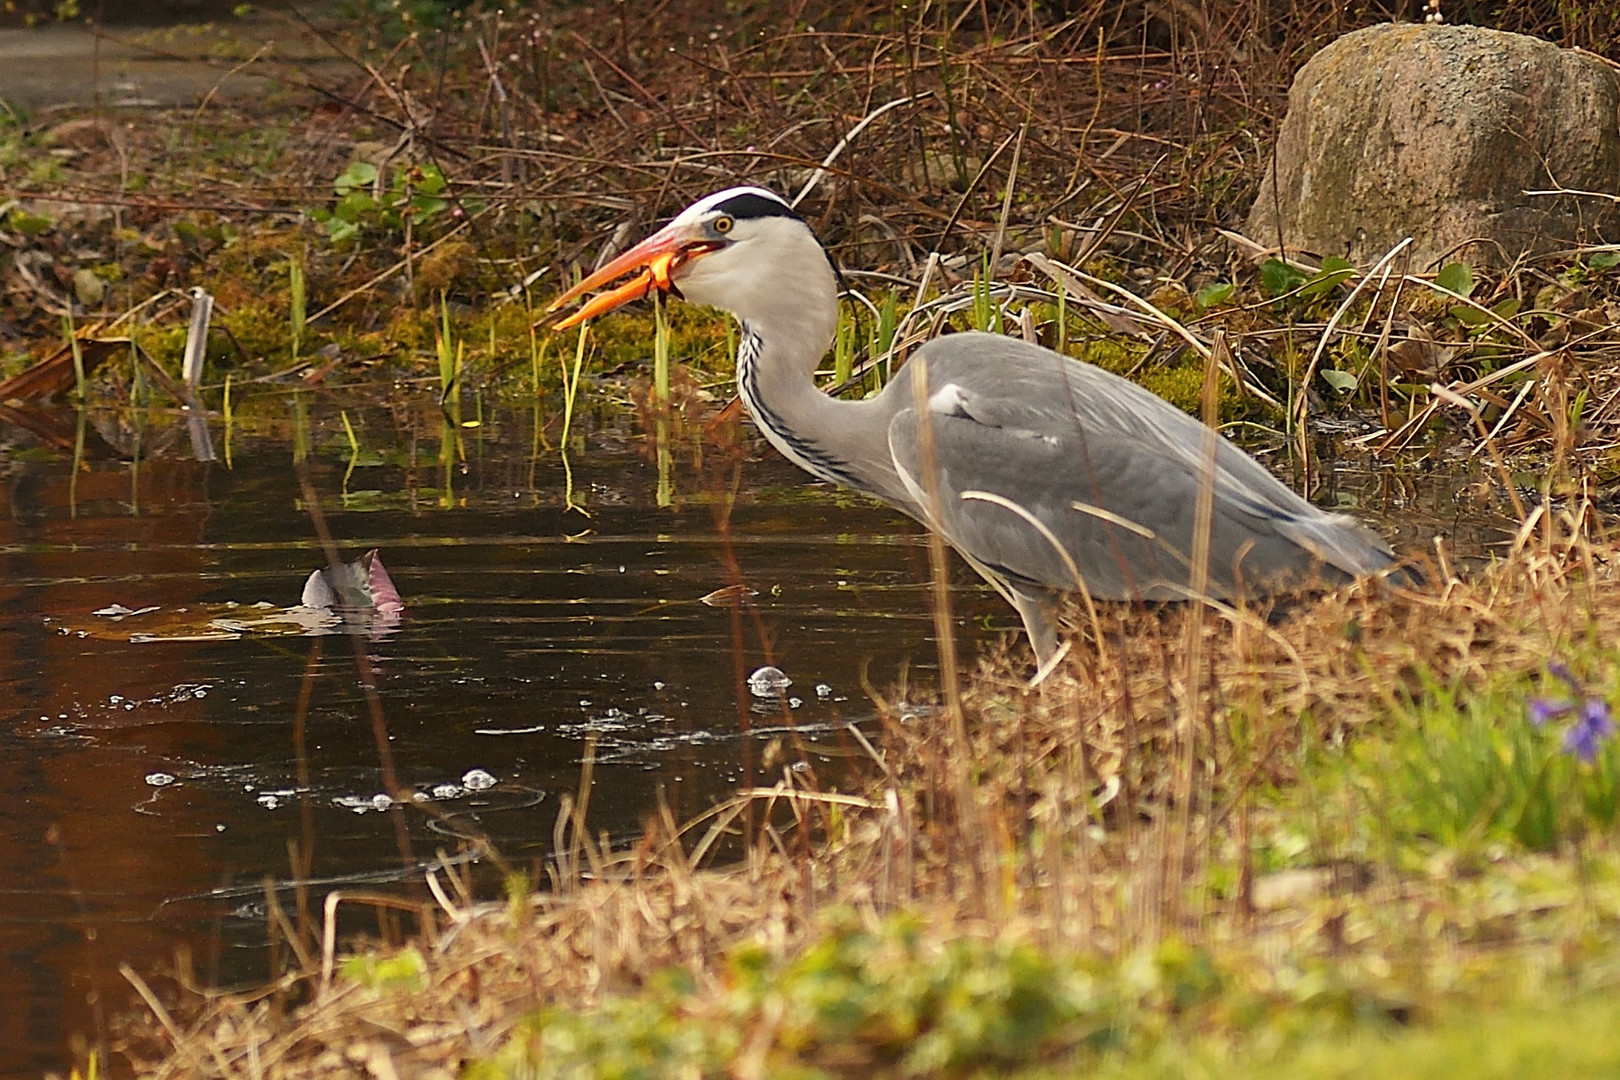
(1435, 132)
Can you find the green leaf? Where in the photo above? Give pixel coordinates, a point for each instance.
(1456, 277)
(424, 208)
(1334, 270)
(1506, 308)
(354, 206)
(430, 180)
(1469, 316)
(1342, 381)
(1279, 278)
(1214, 294)
(1603, 260)
(29, 224)
(359, 174)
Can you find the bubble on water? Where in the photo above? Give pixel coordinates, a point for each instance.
(114, 699)
(269, 802)
(766, 681)
(159, 779)
(219, 826)
(823, 691)
(477, 780)
(381, 801)
(448, 791)
(794, 703)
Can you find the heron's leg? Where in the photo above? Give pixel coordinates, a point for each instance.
(1038, 609)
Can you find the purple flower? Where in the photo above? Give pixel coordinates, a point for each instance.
(1544, 710)
(1592, 725)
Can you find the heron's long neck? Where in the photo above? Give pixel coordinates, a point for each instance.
(845, 442)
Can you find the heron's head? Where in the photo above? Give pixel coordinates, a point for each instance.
(742, 249)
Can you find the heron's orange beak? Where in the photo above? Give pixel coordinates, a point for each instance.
(657, 258)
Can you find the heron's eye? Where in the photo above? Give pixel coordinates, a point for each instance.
(722, 224)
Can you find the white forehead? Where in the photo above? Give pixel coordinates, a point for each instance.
(707, 204)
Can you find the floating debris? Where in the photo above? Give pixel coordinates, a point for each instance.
(477, 780)
(731, 594)
(116, 612)
(361, 585)
(767, 682)
(353, 598)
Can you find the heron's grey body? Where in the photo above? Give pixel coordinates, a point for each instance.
(1046, 467)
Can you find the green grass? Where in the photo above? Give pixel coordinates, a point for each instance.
(1555, 1041)
(1469, 773)
(892, 1000)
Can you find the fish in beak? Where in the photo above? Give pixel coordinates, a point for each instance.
(657, 258)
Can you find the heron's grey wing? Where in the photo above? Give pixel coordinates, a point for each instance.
(1007, 498)
(1110, 472)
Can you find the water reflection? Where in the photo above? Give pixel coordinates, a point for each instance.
(149, 788)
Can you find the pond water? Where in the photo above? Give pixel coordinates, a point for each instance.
(155, 772)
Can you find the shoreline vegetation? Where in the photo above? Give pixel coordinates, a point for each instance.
(1338, 835)
(1375, 835)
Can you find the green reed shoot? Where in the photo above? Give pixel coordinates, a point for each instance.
(570, 391)
(571, 387)
(300, 429)
(80, 386)
(1062, 320)
(354, 448)
(665, 495)
(888, 323)
(985, 312)
(139, 392)
(538, 345)
(297, 303)
(844, 351)
(92, 1068)
(666, 460)
(660, 350)
(78, 463)
(225, 407)
(448, 436)
(348, 430)
(450, 353)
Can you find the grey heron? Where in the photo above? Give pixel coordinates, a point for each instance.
(1046, 469)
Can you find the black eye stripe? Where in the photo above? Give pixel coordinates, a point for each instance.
(749, 205)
